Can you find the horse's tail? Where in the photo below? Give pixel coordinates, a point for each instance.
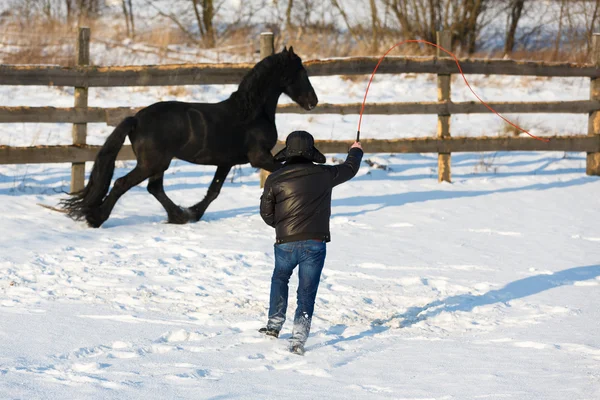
(92, 195)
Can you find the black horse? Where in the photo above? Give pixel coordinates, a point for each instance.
(235, 131)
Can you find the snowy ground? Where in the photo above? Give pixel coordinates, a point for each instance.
(486, 288)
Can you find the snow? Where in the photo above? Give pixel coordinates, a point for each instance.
(486, 288)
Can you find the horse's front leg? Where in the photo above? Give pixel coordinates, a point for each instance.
(197, 211)
(261, 158)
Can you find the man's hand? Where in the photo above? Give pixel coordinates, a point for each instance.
(356, 145)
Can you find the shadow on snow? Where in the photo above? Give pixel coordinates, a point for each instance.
(467, 302)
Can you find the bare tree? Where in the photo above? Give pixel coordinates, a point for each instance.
(375, 26)
(69, 4)
(288, 14)
(336, 4)
(420, 19)
(128, 13)
(592, 24)
(515, 10)
(581, 19)
(559, 31)
(471, 11)
(88, 8)
(205, 14)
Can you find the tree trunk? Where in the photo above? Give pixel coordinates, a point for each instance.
(198, 18)
(516, 9)
(476, 9)
(131, 19)
(346, 20)
(560, 29)
(374, 26)
(69, 6)
(208, 13)
(591, 26)
(126, 14)
(82, 11)
(288, 14)
(433, 17)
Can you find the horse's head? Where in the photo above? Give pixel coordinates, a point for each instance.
(295, 81)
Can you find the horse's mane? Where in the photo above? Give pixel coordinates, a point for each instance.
(261, 72)
(258, 82)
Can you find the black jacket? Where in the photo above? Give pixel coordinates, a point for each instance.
(297, 198)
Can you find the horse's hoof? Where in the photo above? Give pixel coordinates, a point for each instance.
(93, 224)
(195, 215)
(181, 217)
(94, 219)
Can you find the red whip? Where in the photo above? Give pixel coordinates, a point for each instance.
(461, 72)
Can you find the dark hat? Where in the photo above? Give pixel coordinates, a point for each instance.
(300, 144)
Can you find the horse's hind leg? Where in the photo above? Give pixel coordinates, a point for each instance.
(197, 211)
(122, 185)
(175, 214)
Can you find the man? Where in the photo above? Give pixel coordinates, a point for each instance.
(297, 203)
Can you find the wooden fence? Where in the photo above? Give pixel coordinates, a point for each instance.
(84, 76)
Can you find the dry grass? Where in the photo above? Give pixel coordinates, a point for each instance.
(353, 78)
(576, 53)
(53, 42)
(159, 37)
(177, 91)
(510, 130)
(326, 41)
(486, 163)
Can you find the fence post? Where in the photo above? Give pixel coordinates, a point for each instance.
(267, 48)
(81, 101)
(592, 165)
(444, 39)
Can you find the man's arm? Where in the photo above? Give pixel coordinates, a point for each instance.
(347, 170)
(267, 205)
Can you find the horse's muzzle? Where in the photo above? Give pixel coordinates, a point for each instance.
(311, 102)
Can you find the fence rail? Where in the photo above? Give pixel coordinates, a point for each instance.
(112, 116)
(217, 74)
(83, 153)
(84, 76)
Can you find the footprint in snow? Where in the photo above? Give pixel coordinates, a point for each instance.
(495, 232)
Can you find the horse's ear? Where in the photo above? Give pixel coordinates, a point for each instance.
(291, 50)
(285, 50)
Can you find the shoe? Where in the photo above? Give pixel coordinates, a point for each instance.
(269, 332)
(297, 349)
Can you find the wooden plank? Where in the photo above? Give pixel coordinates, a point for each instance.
(267, 48)
(55, 154)
(399, 65)
(592, 165)
(93, 76)
(466, 144)
(112, 116)
(468, 107)
(444, 39)
(79, 132)
(52, 114)
(213, 74)
(61, 154)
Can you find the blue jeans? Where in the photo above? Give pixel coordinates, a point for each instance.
(310, 255)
